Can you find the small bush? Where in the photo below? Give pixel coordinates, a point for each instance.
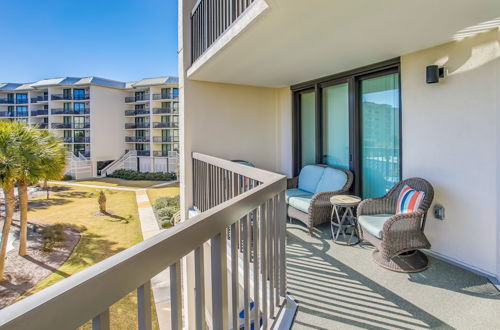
(133, 175)
(167, 224)
(67, 177)
(166, 213)
(163, 202)
(53, 236)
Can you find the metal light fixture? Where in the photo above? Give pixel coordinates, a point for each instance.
(433, 73)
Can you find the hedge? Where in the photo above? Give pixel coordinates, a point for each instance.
(133, 175)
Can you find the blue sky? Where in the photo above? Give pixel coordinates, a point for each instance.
(117, 39)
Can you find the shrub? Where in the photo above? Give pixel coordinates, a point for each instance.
(53, 236)
(163, 202)
(67, 177)
(166, 213)
(133, 175)
(166, 224)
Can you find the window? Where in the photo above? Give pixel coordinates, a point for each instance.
(67, 106)
(176, 93)
(21, 98)
(352, 120)
(79, 108)
(67, 93)
(22, 111)
(175, 106)
(78, 122)
(165, 93)
(11, 111)
(78, 94)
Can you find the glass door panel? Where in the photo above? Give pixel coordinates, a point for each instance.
(307, 128)
(336, 125)
(380, 130)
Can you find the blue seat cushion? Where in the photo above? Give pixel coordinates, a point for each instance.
(300, 203)
(309, 178)
(374, 224)
(331, 180)
(296, 193)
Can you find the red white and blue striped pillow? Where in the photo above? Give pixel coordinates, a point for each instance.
(409, 200)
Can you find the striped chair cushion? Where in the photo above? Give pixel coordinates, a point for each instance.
(409, 200)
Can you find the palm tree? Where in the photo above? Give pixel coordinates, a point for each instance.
(43, 158)
(9, 170)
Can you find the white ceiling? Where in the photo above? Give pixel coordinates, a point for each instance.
(299, 40)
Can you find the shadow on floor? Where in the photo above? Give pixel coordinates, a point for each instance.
(329, 291)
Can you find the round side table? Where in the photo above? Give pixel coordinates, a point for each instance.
(345, 225)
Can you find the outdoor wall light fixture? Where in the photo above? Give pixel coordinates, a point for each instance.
(433, 73)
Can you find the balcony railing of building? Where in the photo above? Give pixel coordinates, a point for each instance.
(165, 96)
(146, 153)
(137, 112)
(137, 98)
(13, 114)
(210, 20)
(165, 111)
(165, 125)
(70, 125)
(61, 111)
(137, 139)
(244, 229)
(40, 98)
(136, 125)
(165, 139)
(65, 97)
(40, 125)
(77, 139)
(41, 112)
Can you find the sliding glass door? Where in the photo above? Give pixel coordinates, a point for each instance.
(307, 128)
(335, 124)
(380, 140)
(352, 121)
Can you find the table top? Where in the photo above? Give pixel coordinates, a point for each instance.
(345, 200)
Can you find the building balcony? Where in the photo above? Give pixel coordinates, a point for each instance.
(165, 111)
(41, 98)
(133, 99)
(13, 101)
(137, 112)
(62, 97)
(77, 139)
(70, 126)
(61, 111)
(165, 139)
(40, 125)
(165, 125)
(144, 153)
(41, 112)
(165, 96)
(137, 139)
(13, 114)
(136, 125)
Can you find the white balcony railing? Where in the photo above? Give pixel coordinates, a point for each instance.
(244, 214)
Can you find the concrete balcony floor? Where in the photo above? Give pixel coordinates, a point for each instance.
(340, 287)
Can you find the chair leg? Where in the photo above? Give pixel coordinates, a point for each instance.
(310, 228)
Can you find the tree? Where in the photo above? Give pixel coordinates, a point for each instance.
(43, 158)
(9, 171)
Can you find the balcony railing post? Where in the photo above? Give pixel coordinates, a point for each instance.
(263, 258)
(144, 306)
(175, 296)
(101, 321)
(199, 278)
(219, 282)
(282, 239)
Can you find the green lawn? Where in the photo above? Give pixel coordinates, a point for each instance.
(170, 191)
(101, 237)
(114, 182)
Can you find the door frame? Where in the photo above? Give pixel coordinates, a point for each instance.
(353, 78)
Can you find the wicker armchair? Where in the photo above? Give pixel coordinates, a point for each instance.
(402, 234)
(320, 208)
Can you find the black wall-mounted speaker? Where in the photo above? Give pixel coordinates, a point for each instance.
(433, 73)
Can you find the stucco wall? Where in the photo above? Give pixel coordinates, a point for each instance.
(450, 137)
(107, 122)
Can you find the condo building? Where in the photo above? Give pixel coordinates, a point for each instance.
(102, 122)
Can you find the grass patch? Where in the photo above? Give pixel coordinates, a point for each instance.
(115, 182)
(167, 191)
(101, 237)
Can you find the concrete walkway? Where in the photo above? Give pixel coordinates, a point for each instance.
(160, 284)
(93, 186)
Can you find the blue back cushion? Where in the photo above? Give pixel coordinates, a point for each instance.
(309, 177)
(331, 180)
